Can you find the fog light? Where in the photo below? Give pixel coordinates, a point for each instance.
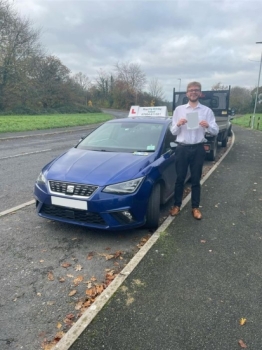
(124, 217)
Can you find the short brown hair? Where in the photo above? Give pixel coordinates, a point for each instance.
(193, 83)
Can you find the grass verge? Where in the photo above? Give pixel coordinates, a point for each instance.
(246, 121)
(17, 123)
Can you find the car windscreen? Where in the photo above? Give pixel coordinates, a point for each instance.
(124, 137)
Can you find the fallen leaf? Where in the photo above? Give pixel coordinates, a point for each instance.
(48, 346)
(68, 321)
(242, 321)
(117, 254)
(59, 325)
(70, 316)
(78, 305)
(66, 264)
(78, 268)
(93, 278)
(143, 241)
(70, 276)
(58, 336)
(91, 292)
(99, 288)
(73, 292)
(61, 279)
(109, 256)
(50, 276)
(78, 280)
(90, 256)
(242, 344)
(87, 303)
(89, 284)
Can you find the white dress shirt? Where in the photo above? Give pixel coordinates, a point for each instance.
(193, 136)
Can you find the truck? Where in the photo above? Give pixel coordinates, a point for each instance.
(218, 101)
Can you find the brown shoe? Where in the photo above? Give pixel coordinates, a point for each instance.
(174, 211)
(197, 213)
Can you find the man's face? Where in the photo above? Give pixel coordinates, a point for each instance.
(193, 93)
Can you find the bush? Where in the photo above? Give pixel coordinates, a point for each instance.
(23, 110)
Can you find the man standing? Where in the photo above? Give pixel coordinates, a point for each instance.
(190, 122)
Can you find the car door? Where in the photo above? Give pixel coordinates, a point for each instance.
(167, 167)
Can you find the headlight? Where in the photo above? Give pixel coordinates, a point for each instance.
(41, 178)
(124, 187)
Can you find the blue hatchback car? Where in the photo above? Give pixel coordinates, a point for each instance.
(115, 178)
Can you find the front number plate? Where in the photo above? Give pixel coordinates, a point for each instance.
(69, 203)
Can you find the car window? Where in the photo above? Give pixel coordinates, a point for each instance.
(169, 137)
(125, 136)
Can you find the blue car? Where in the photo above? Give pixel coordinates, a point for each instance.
(115, 178)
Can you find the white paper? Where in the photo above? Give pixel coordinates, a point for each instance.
(192, 120)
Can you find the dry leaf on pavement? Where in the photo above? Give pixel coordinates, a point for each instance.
(78, 280)
(242, 321)
(242, 344)
(50, 276)
(66, 264)
(78, 267)
(73, 292)
(90, 256)
(59, 325)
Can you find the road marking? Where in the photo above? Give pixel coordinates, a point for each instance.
(26, 154)
(8, 211)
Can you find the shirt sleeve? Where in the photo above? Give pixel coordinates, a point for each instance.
(213, 128)
(174, 128)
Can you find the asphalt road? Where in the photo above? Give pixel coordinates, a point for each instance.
(47, 266)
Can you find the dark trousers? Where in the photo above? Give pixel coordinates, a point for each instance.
(193, 157)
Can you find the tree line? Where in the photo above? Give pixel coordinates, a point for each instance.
(33, 82)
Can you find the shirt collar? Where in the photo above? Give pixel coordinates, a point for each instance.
(198, 105)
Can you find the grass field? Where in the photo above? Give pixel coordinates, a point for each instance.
(16, 123)
(246, 121)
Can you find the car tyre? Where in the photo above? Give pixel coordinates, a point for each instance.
(224, 142)
(213, 153)
(153, 208)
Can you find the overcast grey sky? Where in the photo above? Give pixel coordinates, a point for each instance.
(204, 40)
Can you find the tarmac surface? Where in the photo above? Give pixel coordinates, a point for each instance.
(191, 289)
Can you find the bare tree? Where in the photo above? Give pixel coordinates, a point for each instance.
(132, 76)
(219, 86)
(156, 90)
(18, 43)
(82, 80)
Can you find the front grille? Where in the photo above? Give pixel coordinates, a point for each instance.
(72, 214)
(79, 189)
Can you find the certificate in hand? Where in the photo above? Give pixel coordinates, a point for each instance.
(192, 120)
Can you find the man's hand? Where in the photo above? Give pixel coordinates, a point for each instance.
(204, 124)
(181, 122)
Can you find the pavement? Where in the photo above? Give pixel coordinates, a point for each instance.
(191, 284)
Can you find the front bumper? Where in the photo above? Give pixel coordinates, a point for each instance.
(105, 211)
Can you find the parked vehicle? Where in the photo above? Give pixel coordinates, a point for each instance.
(218, 101)
(116, 177)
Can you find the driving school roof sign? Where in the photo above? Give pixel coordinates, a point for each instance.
(136, 111)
